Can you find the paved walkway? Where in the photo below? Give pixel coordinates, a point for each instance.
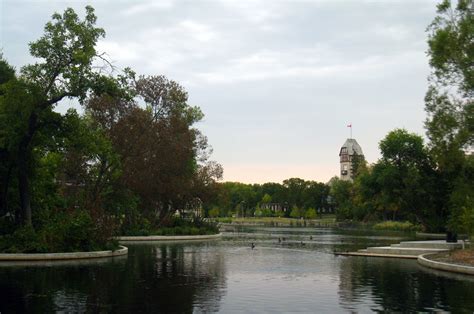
(419, 250)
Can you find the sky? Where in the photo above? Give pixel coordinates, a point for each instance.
(278, 81)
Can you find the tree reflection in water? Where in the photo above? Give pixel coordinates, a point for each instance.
(229, 276)
(153, 278)
(401, 285)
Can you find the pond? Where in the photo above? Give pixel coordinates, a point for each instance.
(298, 274)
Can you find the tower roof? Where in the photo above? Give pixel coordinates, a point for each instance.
(353, 148)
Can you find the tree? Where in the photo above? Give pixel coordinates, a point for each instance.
(67, 53)
(296, 212)
(295, 189)
(266, 199)
(449, 103)
(165, 160)
(341, 193)
(310, 213)
(402, 182)
(7, 73)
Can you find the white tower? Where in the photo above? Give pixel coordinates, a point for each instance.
(349, 151)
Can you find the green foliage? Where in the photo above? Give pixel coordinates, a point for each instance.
(214, 212)
(60, 232)
(467, 218)
(170, 226)
(403, 149)
(296, 212)
(451, 45)
(7, 72)
(310, 213)
(449, 104)
(341, 193)
(266, 199)
(251, 199)
(67, 50)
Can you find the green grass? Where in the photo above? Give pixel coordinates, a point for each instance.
(396, 226)
(326, 219)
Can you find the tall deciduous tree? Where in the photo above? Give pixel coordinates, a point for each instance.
(163, 157)
(66, 53)
(7, 73)
(450, 103)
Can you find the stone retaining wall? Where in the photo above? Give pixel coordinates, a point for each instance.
(425, 261)
(170, 238)
(61, 256)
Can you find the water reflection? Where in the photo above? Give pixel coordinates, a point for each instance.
(297, 274)
(163, 278)
(397, 285)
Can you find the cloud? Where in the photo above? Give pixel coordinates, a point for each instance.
(162, 48)
(146, 7)
(392, 32)
(308, 63)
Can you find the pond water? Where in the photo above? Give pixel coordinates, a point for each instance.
(300, 274)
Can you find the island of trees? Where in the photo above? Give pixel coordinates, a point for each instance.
(132, 158)
(124, 166)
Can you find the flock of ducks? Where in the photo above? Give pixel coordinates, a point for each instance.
(281, 239)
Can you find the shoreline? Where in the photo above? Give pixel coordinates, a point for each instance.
(424, 260)
(62, 256)
(169, 238)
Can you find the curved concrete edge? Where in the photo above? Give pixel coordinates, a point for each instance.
(62, 256)
(375, 255)
(436, 236)
(170, 238)
(423, 260)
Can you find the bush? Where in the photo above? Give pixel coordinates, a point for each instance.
(396, 226)
(214, 212)
(310, 213)
(468, 220)
(171, 226)
(225, 220)
(61, 232)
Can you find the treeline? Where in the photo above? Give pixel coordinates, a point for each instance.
(127, 163)
(294, 198)
(403, 185)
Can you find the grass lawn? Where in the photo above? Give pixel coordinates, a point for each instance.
(326, 219)
(460, 257)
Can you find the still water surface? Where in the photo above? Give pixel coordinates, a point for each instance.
(300, 274)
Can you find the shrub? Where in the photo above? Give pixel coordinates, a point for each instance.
(170, 226)
(59, 231)
(310, 213)
(396, 226)
(468, 220)
(214, 212)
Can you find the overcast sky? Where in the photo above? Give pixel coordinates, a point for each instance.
(278, 81)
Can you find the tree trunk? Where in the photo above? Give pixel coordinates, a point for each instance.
(24, 188)
(24, 153)
(4, 192)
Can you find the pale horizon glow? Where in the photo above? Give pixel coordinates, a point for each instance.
(278, 81)
(263, 173)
